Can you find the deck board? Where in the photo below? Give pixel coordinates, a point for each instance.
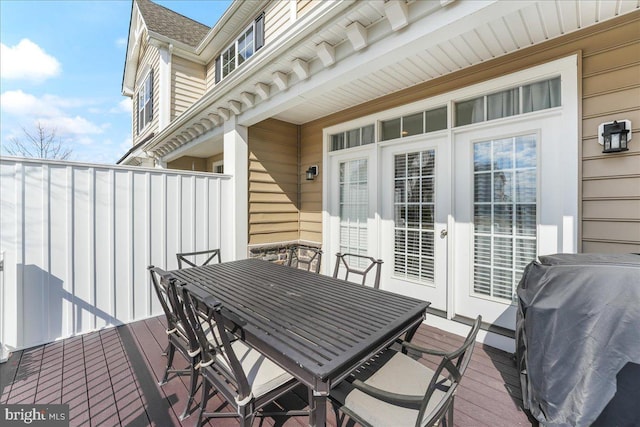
(110, 378)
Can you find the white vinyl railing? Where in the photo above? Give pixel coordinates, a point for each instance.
(77, 239)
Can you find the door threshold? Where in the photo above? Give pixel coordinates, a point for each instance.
(488, 333)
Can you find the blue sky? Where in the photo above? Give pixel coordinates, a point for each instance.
(62, 65)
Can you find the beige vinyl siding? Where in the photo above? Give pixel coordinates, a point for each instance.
(187, 84)
(277, 17)
(149, 55)
(273, 182)
(189, 163)
(311, 191)
(304, 6)
(210, 75)
(611, 182)
(609, 62)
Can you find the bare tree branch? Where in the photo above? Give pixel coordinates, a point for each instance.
(41, 143)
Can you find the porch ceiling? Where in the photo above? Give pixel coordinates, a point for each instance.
(350, 53)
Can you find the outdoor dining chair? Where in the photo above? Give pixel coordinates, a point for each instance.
(189, 258)
(357, 264)
(394, 389)
(242, 375)
(179, 333)
(310, 259)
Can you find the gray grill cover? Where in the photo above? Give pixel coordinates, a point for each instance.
(578, 326)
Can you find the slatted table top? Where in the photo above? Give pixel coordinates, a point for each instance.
(317, 327)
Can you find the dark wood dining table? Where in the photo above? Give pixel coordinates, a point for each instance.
(316, 327)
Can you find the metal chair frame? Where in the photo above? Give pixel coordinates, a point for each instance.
(294, 254)
(341, 260)
(230, 380)
(182, 257)
(179, 333)
(453, 364)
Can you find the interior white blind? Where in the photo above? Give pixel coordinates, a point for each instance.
(505, 209)
(414, 210)
(354, 206)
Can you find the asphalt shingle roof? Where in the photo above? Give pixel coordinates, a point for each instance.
(177, 27)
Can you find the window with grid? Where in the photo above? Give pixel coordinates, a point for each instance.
(145, 102)
(414, 210)
(354, 207)
(242, 48)
(505, 208)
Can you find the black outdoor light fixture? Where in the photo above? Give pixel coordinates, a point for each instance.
(615, 136)
(312, 172)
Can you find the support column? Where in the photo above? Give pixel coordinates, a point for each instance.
(235, 237)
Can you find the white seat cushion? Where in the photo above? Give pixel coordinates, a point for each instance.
(262, 374)
(398, 373)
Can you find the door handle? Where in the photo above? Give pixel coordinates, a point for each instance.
(443, 233)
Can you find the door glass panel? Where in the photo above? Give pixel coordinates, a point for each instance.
(414, 207)
(505, 197)
(354, 204)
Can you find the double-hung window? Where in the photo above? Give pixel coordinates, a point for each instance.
(145, 102)
(242, 48)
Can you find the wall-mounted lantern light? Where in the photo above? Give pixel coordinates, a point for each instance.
(312, 172)
(614, 136)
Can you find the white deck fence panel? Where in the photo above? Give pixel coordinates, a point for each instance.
(76, 240)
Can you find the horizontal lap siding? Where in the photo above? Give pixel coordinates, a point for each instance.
(611, 182)
(304, 6)
(610, 194)
(187, 84)
(276, 20)
(311, 191)
(273, 182)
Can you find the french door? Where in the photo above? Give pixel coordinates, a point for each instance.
(509, 208)
(415, 204)
(352, 214)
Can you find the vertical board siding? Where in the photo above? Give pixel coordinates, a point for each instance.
(273, 182)
(77, 240)
(610, 57)
(187, 84)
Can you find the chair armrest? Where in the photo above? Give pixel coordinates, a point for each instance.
(423, 350)
(387, 396)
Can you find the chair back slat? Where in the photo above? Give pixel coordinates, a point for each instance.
(342, 263)
(189, 258)
(453, 365)
(204, 309)
(160, 280)
(307, 262)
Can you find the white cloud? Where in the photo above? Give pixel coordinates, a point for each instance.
(71, 125)
(121, 42)
(124, 106)
(27, 61)
(18, 103)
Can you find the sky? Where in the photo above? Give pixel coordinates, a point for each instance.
(62, 64)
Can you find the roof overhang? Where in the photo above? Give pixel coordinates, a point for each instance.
(343, 54)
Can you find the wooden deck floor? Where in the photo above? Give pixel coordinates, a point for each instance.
(109, 378)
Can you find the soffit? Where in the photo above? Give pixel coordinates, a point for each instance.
(439, 38)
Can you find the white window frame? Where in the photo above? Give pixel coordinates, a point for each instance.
(145, 102)
(234, 46)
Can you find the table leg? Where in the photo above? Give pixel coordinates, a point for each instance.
(317, 409)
